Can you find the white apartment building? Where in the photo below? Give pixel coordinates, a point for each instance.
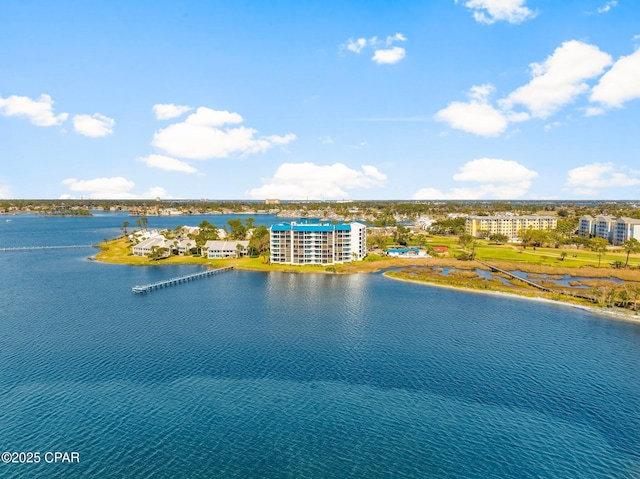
(624, 229)
(508, 225)
(614, 230)
(318, 242)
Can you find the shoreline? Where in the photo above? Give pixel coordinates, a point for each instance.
(619, 314)
(385, 266)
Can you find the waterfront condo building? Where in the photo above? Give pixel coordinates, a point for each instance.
(508, 225)
(318, 242)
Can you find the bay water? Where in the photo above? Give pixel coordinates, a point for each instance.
(282, 375)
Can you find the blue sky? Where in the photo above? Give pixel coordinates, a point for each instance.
(442, 99)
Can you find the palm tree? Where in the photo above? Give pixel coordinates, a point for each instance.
(599, 245)
(632, 245)
(124, 227)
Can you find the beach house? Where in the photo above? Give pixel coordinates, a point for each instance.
(225, 249)
(155, 243)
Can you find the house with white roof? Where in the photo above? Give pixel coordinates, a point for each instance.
(225, 249)
(146, 247)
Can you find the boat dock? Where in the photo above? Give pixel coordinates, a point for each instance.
(182, 279)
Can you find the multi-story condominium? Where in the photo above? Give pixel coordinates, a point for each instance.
(508, 225)
(624, 229)
(614, 230)
(318, 242)
(604, 227)
(587, 226)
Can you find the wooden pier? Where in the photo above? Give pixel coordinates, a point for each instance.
(515, 276)
(182, 279)
(536, 285)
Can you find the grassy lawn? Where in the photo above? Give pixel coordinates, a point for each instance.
(541, 256)
(118, 251)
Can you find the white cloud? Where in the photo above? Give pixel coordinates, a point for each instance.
(297, 181)
(493, 170)
(593, 111)
(39, 112)
(209, 117)
(327, 140)
(362, 144)
(167, 163)
(356, 46)
(476, 116)
(608, 6)
(200, 137)
(398, 37)
(491, 11)
(588, 178)
(500, 179)
(384, 52)
(556, 82)
(155, 192)
(389, 55)
(560, 79)
(110, 188)
(552, 125)
(620, 84)
(165, 111)
(94, 126)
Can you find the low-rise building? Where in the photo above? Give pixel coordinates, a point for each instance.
(141, 235)
(155, 243)
(184, 245)
(408, 252)
(225, 249)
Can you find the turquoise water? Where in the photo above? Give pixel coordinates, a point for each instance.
(287, 375)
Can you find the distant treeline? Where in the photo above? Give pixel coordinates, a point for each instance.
(384, 213)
